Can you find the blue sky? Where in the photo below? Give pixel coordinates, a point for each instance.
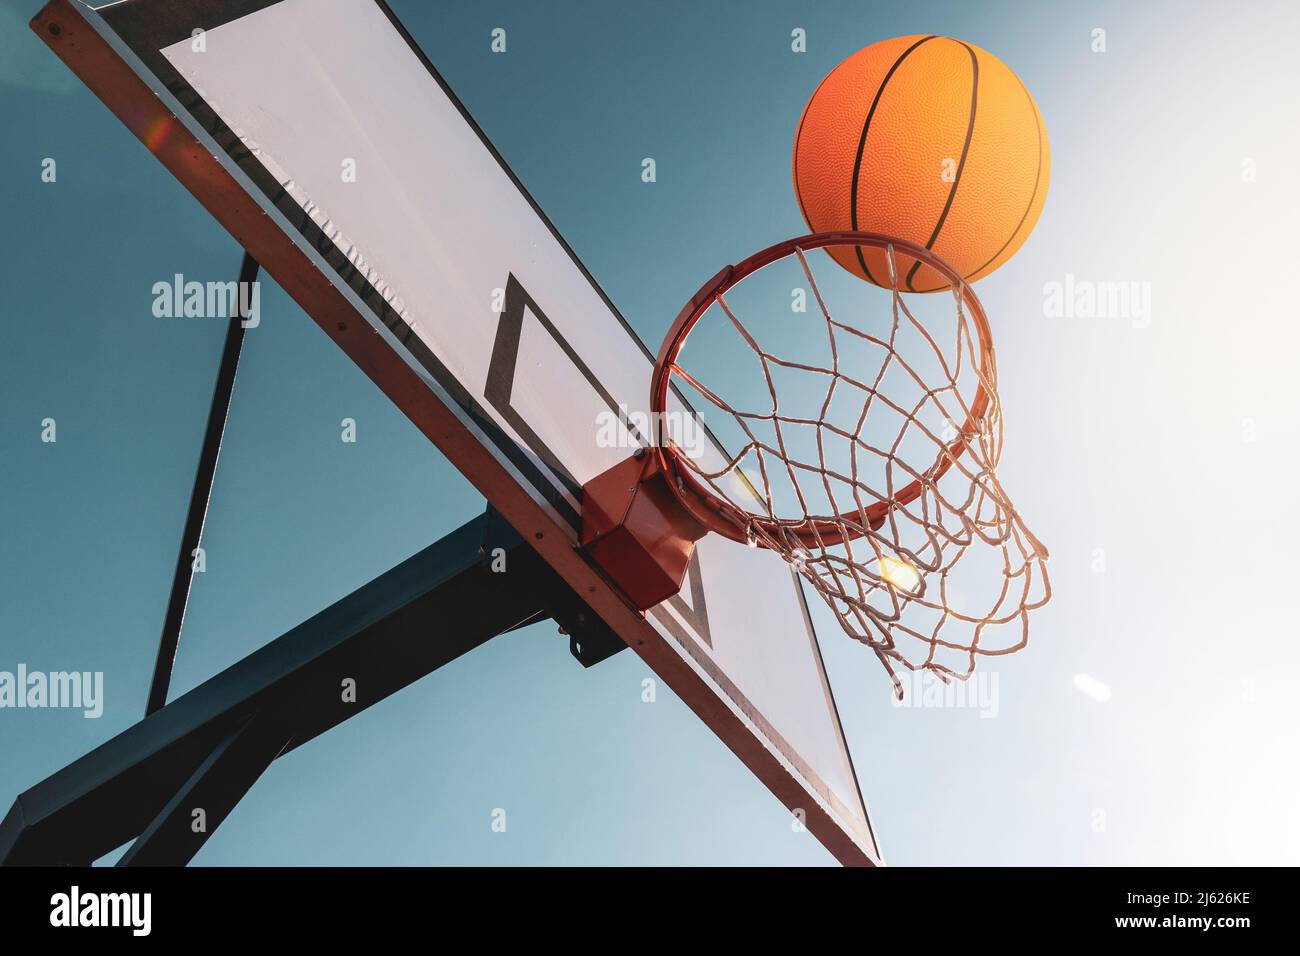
(1148, 454)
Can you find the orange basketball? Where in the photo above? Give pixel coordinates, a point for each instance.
(928, 139)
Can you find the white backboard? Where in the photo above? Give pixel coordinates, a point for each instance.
(332, 150)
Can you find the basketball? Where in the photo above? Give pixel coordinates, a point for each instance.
(928, 139)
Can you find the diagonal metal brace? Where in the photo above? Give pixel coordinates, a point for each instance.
(212, 743)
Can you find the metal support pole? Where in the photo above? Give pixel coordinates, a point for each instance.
(204, 474)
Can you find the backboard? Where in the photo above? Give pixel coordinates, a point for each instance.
(321, 137)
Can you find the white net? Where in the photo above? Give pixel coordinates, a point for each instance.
(864, 441)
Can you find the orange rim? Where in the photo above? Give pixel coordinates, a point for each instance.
(730, 520)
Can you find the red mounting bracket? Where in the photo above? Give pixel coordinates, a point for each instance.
(636, 531)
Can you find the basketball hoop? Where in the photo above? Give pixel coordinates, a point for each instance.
(881, 555)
